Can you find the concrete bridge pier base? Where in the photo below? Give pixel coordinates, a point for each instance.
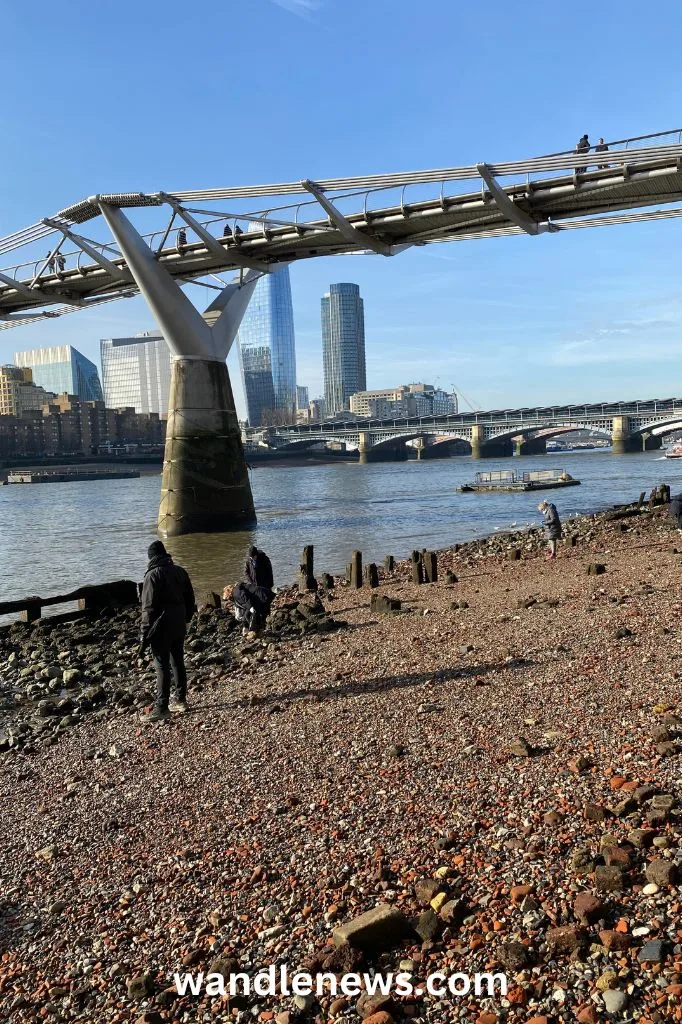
(481, 448)
(622, 441)
(205, 483)
(530, 446)
(381, 454)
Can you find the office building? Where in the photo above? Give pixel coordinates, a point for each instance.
(18, 393)
(302, 399)
(63, 370)
(343, 346)
(267, 352)
(136, 373)
(405, 400)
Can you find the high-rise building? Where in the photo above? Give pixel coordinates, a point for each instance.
(343, 346)
(267, 352)
(302, 399)
(18, 393)
(63, 370)
(405, 400)
(136, 373)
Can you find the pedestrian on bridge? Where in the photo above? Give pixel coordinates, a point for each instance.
(167, 606)
(582, 146)
(552, 525)
(601, 147)
(182, 239)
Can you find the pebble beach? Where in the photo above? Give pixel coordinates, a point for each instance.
(497, 762)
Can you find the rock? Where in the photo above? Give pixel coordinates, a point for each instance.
(57, 907)
(428, 926)
(379, 1018)
(438, 901)
(140, 987)
(614, 1000)
(661, 872)
(521, 747)
(426, 889)
(453, 912)
(304, 1003)
(48, 853)
(70, 676)
(588, 908)
(376, 930)
(642, 838)
(653, 951)
(650, 889)
(566, 939)
(594, 812)
(513, 956)
(344, 959)
(596, 569)
(608, 878)
(581, 862)
(368, 1005)
(622, 633)
(607, 980)
(613, 940)
(667, 749)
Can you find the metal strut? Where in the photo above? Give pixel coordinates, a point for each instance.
(508, 207)
(211, 243)
(349, 232)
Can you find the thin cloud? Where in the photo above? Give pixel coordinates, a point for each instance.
(301, 8)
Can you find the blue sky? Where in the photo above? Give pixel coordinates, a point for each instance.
(152, 95)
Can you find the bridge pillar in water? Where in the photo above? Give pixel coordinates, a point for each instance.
(530, 445)
(380, 452)
(651, 442)
(622, 440)
(205, 484)
(494, 448)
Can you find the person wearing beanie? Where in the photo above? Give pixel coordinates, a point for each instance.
(167, 606)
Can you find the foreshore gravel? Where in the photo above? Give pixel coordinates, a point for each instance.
(511, 738)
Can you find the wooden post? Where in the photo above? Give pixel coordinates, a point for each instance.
(389, 563)
(306, 577)
(371, 575)
(514, 554)
(430, 566)
(417, 567)
(356, 570)
(31, 612)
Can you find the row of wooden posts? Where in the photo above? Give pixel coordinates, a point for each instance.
(424, 569)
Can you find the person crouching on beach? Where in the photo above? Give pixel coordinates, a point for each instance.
(552, 525)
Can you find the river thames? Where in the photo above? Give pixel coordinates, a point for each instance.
(54, 537)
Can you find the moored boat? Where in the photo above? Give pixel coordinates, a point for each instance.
(509, 480)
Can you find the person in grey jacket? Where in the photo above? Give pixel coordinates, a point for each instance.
(552, 525)
(167, 606)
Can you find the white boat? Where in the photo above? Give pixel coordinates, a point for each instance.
(675, 452)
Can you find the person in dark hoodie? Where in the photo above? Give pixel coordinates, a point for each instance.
(167, 606)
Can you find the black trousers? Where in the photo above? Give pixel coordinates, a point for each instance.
(169, 660)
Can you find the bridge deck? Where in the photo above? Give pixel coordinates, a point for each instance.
(561, 200)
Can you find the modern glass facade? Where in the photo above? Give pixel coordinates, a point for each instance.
(63, 370)
(267, 352)
(302, 399)
(343, 346)
(136, 373)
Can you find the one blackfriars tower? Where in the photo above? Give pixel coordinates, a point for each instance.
(343, 346)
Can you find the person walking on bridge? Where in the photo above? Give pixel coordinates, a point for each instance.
(601, 147)
(552, 525)
(582, 146)
(167, 606)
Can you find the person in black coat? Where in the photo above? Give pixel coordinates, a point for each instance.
(167, 606)
(258, 569)
(552, 525)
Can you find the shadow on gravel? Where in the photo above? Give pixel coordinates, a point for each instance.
(354, 688)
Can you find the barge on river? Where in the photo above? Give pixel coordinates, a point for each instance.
(51, 476)
(509, 480)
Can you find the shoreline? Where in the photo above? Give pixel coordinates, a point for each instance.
(511, 739)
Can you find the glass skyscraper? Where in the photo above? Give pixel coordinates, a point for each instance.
(136, 373)
(63, 370)
(267, 352)
(343, 346)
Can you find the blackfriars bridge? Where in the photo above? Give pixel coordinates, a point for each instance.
(194, 236)
(632, 426)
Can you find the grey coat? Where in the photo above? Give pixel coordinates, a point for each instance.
(552, 522)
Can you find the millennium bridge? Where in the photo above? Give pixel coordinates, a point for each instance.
(194, 236)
